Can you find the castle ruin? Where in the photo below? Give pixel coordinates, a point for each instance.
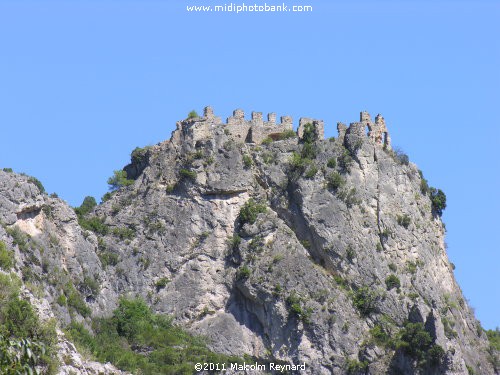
(255, 130)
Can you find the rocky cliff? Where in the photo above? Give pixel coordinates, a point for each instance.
(324, 252)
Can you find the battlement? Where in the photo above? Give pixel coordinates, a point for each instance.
(238, 118)
(236, 126)
(256, 129)
(376, 131)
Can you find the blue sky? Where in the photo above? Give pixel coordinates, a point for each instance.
(84, 82)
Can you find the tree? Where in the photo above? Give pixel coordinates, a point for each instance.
(118, 180)
(193, 114)
(87, 205)
(438, 199)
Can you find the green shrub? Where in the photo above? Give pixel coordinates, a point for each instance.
(91, 285)
(247, 161)
(345, 161)
(75, 300)
(267, 140)
(392, 281)
(400, 156)
(354, 367)
(19, 238)
(87, 206)
(494, 348)
(243, 273)
(62, 300)
(267, 157)
(311, 172)
(380, 336)
(82, 338)
(37, 183)
(192, 114)
(8, 170)
(250, 210)
(411, 267)
(385, 234)
(188, 174)
(6, 257)
(278, 289)
(332, 163)
(118, 180)
(309, 134)
(94, 224)
(106, 197)
(365, 300)
(296, 161)
(309, 151)
(108, 258)
(198, 155)
(350, 253)
(136, 340)
(287, 134)
(348, 196)
(448, 326)
(209, 160)
(144, 262)
(161, 283)
(340, 281)
(170, 188)
(424, 185)
(234, 242)
(436, 355)
(494, 338)
(229, 145)
(335, 181)
(438, 199)
(21, 318)
(24, 341)
(20, 356)
(124, 233)
(295, 306)
(416, 342)
(256, 245)
(298, 165)
(392, 267)
(404, 220)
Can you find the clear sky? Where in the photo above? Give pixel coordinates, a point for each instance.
(82, 83)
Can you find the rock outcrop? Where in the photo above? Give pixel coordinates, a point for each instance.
(342, 252)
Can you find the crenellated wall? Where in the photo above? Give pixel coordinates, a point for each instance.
(376, 131)
(256, 129)
(237, 127)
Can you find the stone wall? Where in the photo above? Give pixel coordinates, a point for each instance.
(237, 127)
(376, 131)
(341, 129)
(256, 129)
(318, 125)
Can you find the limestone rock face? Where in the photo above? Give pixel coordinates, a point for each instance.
(305, 282)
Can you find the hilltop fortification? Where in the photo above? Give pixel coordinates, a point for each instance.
(255, 130)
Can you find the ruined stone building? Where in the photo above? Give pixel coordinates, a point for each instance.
(256, 129)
